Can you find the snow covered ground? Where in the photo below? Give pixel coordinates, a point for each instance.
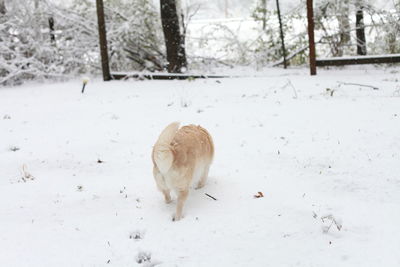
(314, 147)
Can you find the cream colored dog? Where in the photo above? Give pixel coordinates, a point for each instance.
(181, 156)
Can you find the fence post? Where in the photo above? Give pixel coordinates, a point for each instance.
(103, 40)
(311, 41)
(51, 28)
(360, 31)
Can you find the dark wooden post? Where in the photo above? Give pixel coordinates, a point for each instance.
(2, 7)
(51, 27)
(360, 32)
(311, 41)
(281, 33)
(103, 40)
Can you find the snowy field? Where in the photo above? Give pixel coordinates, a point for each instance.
(325, 155)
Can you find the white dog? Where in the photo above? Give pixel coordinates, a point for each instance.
(181, 156)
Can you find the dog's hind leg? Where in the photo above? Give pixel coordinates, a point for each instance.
(162, 185)
(167, 196)
(203, 178)
(182, 196)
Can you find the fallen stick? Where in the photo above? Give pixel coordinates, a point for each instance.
(289, 83)
(359, 84)
(210, 196)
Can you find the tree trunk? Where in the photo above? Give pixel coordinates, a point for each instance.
(103, 40)
(264, 14)
(360, 31)
(51, 27)
(174, 38)
(311, 41)
(392, 42)
(3, 9)
(281, 34)
(226, 8)
(344, 25)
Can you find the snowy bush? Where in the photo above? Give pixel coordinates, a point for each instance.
(267, 47)
(253, 42)
(29, 49)
(257, 43)
(135, 36)
(42, 39)
(335, 27)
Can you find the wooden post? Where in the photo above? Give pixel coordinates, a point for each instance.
(310, 18)
(3, 10)
(51, 27)
(103, 40)
(360, 31)
(281, 33)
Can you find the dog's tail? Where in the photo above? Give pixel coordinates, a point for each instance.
(162, 153)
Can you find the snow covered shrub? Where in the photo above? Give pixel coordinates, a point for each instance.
(135, 36)
(134, 33)
(332, 25)
(30, 48)
(21, 56)
(267, 47)
(386, 30)
(335, 27)
(228, 44)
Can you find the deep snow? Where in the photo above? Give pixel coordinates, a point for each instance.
(311, 152)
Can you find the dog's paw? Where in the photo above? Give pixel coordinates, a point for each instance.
(199, 185)
(176, 218)
(168, 201)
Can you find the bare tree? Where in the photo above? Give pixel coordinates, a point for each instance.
(3, 9)
(281, 34)
(172, 24)
(51, 28)
(344, 25)
(264, 13)
(360, 29)
(103, 40)
(311, 41)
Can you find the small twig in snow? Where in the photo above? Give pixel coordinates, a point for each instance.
(85, 81)
(210, 196)
(330, 91)
(289, 83)
(314, 215)
(333, 221)
(14, 148)
(25, 174)
(294, 89)
(359, 84)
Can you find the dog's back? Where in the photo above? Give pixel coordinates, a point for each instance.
(180, 157)
(191, 145)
